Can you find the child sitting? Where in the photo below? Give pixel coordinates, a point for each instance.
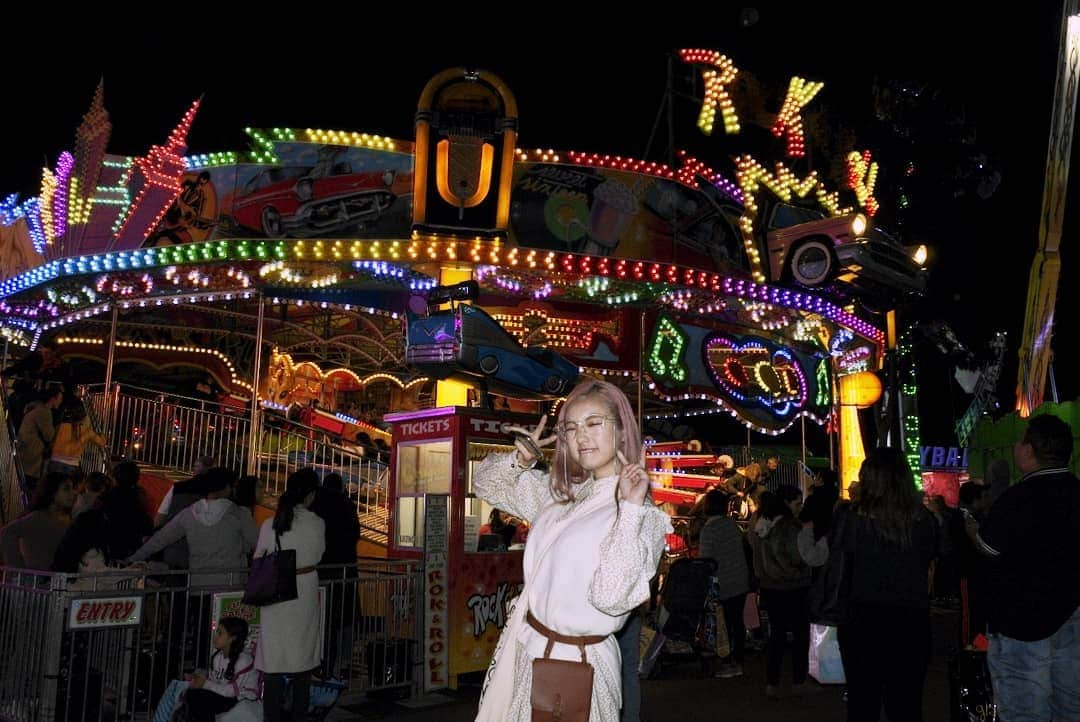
(232, 677)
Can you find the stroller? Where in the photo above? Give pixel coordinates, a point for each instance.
(681, 612)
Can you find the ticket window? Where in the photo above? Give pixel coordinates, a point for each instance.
(478, 511)
(423, 467)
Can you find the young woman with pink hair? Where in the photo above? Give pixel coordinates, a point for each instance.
(594, 544)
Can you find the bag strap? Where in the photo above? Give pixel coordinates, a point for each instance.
(235, 681)
(553, 637)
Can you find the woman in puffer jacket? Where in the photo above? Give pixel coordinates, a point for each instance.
(783, 555)
(72, 437)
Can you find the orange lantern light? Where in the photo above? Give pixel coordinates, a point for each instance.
(857, 391)
(860, 390)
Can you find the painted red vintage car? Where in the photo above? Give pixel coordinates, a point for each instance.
(300, 201)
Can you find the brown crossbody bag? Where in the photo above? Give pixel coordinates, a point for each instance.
(561, 690)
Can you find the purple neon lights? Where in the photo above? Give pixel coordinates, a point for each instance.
(734, 367)
(64, 166)
(789, 298)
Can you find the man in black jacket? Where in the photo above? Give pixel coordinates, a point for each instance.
(1033, 591)
(818, 507)
(338, 513)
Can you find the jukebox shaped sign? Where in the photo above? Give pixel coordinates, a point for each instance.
(466, 132)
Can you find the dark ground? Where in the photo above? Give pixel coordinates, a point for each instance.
(681, 692)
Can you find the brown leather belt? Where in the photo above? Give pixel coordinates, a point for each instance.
(305, 570)
(553, 636)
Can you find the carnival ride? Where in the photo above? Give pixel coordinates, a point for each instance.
(319, 265)
(466, 343)
(1035, 351)
(991, 440)
(669, 280)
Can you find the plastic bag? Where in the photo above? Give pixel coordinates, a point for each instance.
(970, 689)
(751, 617)
(170, 700)
(825, 663)
(711, 635)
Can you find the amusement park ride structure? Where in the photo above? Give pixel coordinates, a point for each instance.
(700, 293)
(1036, 355)
(333, 255)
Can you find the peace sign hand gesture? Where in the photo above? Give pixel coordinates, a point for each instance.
(530, 445)
(633, 479)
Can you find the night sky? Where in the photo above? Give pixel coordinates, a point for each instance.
(985, 81)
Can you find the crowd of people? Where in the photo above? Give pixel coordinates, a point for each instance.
(595, 539)
(84, 525)
(1005, 558)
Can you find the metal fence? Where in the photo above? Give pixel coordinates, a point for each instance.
(12, 501)
(169, 431)
(107, 646)
(285, 446)
(166, 430)
(789, 472)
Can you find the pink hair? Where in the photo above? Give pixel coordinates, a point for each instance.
(565, 472)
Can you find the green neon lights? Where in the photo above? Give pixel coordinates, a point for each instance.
(909, 404)
(821, 380)
(666, 352)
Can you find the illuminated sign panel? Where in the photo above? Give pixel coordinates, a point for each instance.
(666, 352)
(765, 384)
(755, 371)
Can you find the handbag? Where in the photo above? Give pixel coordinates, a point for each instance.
(273, 577)
(970, 691)
(652, 641)
(830, 594)
(561, 689)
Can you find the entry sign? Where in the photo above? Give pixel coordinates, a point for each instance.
(436, 611)
(108, 612)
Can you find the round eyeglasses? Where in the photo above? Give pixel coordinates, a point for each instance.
(592, 424)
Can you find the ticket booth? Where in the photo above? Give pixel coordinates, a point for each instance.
(468, 588)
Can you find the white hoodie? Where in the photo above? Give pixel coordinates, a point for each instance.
(219, 534)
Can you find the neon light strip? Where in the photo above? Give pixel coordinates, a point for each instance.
(436, 248)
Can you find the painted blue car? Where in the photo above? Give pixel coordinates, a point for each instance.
(466, 343)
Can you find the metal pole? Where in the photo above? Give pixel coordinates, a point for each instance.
(833, 418)
(253, 431)
(832, 459)
(3, 364)
(671, 154)
(802, 419)
(641, 373)
(109, 361)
